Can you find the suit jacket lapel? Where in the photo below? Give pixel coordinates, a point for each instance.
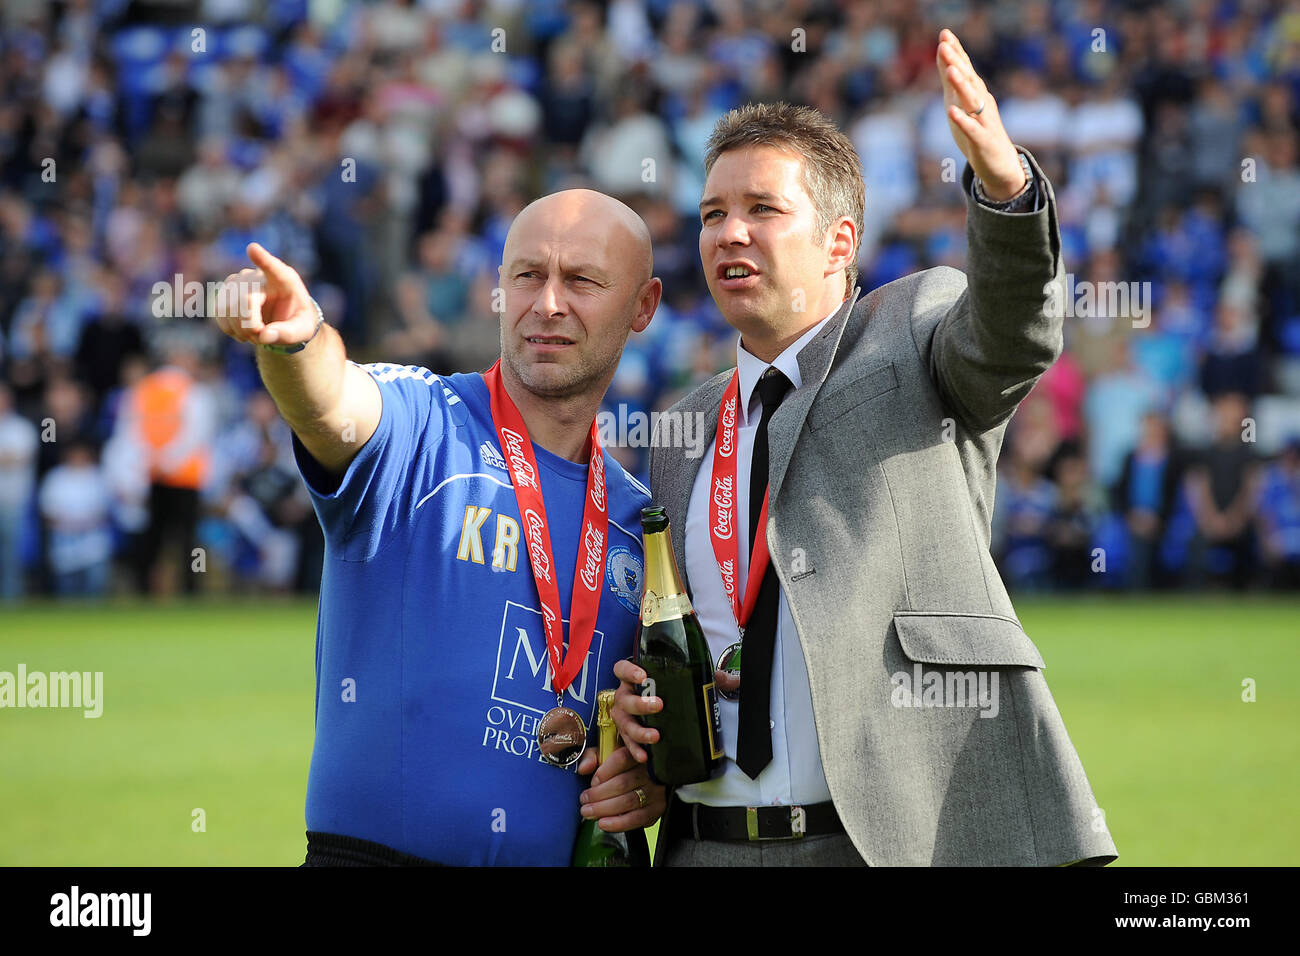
(814, 365)
(673, 489)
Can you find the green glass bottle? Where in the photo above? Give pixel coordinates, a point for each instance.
(675, 656)
(594, 846)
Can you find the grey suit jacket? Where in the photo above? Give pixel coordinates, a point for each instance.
(882, 474)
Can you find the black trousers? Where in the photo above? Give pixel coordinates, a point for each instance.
(173, 518)
(333, 849)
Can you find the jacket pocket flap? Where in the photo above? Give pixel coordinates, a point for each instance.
(845, 398)
(937, 637)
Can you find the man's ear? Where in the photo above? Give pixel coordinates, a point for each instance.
(647, 302)
(843, 245)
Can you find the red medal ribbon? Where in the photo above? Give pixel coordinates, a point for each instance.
(722, 511)
(517, 449)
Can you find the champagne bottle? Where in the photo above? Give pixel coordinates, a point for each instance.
(675, 656)
(594, 846)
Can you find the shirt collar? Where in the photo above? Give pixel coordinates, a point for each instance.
(751, 367)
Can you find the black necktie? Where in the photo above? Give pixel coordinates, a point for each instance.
(754, 739)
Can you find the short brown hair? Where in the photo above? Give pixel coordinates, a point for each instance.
(832, 170)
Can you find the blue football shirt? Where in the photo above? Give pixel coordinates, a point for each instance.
(431, 662)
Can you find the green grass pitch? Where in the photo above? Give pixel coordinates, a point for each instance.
(209, 706)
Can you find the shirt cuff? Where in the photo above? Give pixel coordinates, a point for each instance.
(1027, 200)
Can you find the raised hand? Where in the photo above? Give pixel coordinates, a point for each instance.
(975, 122)
(332, 405)
(268, 305)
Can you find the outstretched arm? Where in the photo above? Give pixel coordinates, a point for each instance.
(1005, 330)
(331, 405)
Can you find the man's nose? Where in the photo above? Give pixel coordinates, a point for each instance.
(733, 231)
(550, 301)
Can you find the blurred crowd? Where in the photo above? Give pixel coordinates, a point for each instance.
(382, 149)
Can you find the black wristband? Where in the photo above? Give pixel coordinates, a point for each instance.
(291, 349)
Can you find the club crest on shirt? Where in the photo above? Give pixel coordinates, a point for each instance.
(491, 456)
(623, 574)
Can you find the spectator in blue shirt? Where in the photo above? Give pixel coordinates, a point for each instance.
(1145, 496)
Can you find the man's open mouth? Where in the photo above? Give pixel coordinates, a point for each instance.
(736, 275)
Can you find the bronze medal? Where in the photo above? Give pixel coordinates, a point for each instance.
(727, 677)
(561, 737)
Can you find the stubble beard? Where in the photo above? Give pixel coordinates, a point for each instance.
(561, 382)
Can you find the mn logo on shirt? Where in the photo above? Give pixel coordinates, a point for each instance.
(523, 670)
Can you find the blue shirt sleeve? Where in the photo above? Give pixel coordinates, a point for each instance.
(359, 510)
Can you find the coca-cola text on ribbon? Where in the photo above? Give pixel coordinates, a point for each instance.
(722, 501)
(536, 548)
(520, 469)
(597, 478)
(593, 543)
(726, 445)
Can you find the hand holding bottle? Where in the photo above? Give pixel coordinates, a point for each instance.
(629, 704)
(612, 795)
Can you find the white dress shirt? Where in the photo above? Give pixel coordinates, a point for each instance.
(795, 774)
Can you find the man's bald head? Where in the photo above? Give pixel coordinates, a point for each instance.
(578, 213)
(577, 272)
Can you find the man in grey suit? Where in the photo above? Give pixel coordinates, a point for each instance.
(889, 708)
